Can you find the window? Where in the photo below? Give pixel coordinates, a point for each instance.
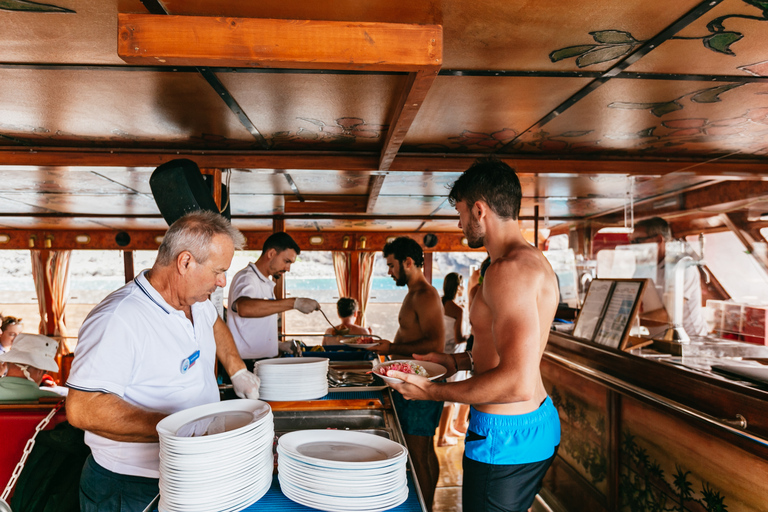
(741, 276)
(17, 289)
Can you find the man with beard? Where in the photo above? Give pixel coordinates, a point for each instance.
(420, 331)
(253, 308)
(514, 429)
(146, 351)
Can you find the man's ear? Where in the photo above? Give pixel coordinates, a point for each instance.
(271, 253)
(480, 209)
(183, 261)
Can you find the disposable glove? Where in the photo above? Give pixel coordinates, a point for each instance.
(306, 305)
(246, 384)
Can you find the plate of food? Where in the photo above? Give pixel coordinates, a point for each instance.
(361, 342)
(426, 369)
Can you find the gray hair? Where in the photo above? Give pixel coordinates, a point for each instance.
(193, 232)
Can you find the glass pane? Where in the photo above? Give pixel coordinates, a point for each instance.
(17, 289)
(742, 277)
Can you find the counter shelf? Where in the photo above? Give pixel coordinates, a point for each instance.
(629, 418)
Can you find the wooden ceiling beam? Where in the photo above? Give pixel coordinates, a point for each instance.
(41, 156)
(276, 43)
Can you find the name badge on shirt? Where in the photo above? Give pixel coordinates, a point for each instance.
(189, 362)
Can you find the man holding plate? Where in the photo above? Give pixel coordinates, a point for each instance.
(514, 429)
(420, 331)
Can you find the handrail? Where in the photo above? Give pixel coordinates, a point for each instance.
(660, 400)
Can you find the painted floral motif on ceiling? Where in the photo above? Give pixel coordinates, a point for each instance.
(610, 45)
(24, 5)
(470, 142)
(748, 132)
(341, 132)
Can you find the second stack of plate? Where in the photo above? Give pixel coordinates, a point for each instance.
(339, 470)
(293, 378)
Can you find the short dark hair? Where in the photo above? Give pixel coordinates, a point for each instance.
(655, 226)
(403, 247)
(346, 306)
(10, 320)
(280, 241)
(490, 180)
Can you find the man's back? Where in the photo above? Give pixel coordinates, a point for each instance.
(513, 312)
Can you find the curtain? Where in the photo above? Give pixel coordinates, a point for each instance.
(38, 274)
(50, 271)
(341, 266)
(366, 279)
(57, 274)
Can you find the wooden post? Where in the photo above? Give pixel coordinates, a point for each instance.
(278, 224)
(354, 276)
(428, 266)
(128, 269)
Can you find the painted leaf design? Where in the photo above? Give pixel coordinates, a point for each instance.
(760, 4)
(25, 5)
(613, 37)
(603, 54)
(576, 133)
(666, 108)
(722, 41)
(571, 51)
(713, 95)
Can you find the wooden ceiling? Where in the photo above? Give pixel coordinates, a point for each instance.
(341, 115)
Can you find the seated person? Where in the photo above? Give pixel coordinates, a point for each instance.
(11, 327)
(31, 357)
(346, 307)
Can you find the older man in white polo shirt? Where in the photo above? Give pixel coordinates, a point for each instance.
(253, 308)
(147, 351)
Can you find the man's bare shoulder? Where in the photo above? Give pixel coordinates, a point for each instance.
(523, 261)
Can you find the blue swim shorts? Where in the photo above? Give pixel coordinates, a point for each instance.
(518, 439)
(417, 417)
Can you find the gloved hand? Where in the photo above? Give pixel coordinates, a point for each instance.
(306, 305)
(246, 384)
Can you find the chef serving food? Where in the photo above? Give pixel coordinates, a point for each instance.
(514, 429)
(146, 351)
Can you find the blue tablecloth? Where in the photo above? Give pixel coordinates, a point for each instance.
(275, 500)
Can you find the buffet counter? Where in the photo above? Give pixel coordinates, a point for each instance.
(368, 411)
(641, 434)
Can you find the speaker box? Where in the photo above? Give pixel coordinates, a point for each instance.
(179, 188)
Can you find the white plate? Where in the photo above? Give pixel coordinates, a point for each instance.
(169, 425)
(350, 342)
(342, 504)
(434, 370)
(341, 448)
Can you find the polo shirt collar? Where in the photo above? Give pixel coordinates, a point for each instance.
(262, 277)
(143, 284)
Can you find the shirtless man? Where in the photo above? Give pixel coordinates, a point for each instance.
(514, 429)
(420, 331)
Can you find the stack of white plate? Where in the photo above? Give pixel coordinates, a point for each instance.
(339, 470)
(216, 456)
(293, 378)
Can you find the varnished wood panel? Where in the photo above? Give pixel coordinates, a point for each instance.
(455, 118)
(660, 118)
(728, 40)
(252, 42)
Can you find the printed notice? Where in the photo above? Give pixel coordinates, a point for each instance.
(592, 311)
(618, 314)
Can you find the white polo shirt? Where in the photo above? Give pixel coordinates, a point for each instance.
(255, 338)
(136, 346)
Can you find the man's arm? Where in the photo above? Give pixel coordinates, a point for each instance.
(226, 350)
(429, 316)
(112, 417)
(510, 291)
(258, 308)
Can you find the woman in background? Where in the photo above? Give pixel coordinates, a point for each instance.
(455, 342)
